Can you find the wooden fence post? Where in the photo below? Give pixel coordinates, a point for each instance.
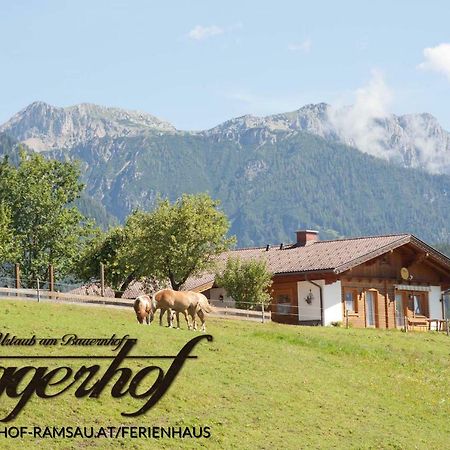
(102, 279)
(17, 275)
(38, 291)
(346, 318)
(262, 310)
(406, 324)
(447, 322)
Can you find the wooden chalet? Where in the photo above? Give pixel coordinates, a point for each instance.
(374, 281)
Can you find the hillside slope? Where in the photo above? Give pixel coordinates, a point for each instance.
(271, 190)
(258, 386)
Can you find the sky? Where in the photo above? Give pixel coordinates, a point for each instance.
(199, 63)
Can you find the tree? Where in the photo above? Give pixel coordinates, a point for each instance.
(248, 282)
(107, 248)
(47, 229)
(179, 240)
(7, 249)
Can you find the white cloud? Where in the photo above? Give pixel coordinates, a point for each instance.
(304, 46)
(431, 146)
(358, 125)
(415, 139)
(437, 59)
(199, 33)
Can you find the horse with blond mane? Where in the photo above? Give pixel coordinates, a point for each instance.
(185, 302)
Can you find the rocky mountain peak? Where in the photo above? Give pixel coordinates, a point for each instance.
(310, 118)
(45, 127)
(412, 140)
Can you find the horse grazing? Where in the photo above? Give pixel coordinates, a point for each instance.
(142, 307)
(185, 302)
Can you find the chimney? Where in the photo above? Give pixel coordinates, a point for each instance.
(306, 237)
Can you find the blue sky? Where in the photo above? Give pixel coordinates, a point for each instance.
(199, 63)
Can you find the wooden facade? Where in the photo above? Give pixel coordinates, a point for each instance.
(285, 304)
(380, 279)
(372, 281)
(371, 292)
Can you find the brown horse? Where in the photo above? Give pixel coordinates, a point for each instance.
(185, 302)
(142, 306)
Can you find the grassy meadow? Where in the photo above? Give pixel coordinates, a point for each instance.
(258, 386)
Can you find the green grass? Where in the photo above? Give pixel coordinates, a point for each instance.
(258, 386)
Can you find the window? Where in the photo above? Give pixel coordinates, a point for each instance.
(411, 304)
(351, 301)
(283, 304)
(416, 305)
(370, 309)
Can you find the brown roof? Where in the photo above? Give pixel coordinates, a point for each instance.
(325, 256)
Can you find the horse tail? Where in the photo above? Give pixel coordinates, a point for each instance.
(204, 304)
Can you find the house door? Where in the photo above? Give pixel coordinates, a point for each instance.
(399, 311)
(370, 309)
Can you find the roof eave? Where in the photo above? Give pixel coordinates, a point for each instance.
(305, 272)
(373, 254)
(443, 259)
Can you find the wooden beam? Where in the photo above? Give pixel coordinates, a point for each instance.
(17, 275)
(417, 259)
(386, 303)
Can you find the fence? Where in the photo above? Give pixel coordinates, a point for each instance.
(410, 323)
(97, 293)
(94, 288)
(42, 293)
(261, 315)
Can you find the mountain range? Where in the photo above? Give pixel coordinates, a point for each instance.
(335, 169)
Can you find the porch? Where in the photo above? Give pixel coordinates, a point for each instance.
(425, 324)
(413, 312)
